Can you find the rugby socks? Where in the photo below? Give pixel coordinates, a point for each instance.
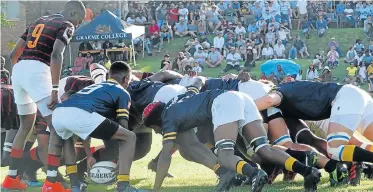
(31, 163)
(28, 145)
(244, 168)
(53, 164)
(72, 172)
(331, 165)
(358, 154)
(16, 161)
(291, 164)
(367, 147)
(298, 155)
(7, 147)
(123, 181)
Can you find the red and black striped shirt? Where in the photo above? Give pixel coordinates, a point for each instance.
(41, 35)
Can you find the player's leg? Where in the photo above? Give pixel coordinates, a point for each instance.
(8, 139)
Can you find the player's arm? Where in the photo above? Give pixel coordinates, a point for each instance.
(165, 75)
(271, 100)
(123, 105)
(87, 149)
(57, 60)
(17, 51)
(164, 163)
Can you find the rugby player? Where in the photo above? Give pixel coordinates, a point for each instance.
(317, 101)
(231, 113)
(37, 58)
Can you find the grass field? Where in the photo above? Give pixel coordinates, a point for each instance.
(191, 177)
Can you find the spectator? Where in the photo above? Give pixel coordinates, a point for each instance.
(258, 44)
(250, 58)
(201, 27)
(261, 25)
(96, 45)
(367, 58)
(362, 72)
(317, 61)
(285, 11)
(214, 58)
(183, 12)
(359, 46)
(364, 12)
(156, 41)
(193, 27)
(85, 46)
(299, 76)
(165, 63)
(196, 67)
(273, 23)
(370, 76)
(368, 24)
(312, 73)
(370, 47)
(306, 28)
(349, 13)
(245, 15)
(173, 15)
(107, 45)
(212, 17)
(333, 58)
(351, 56)
(292, 53)
(141, 19)
(279, 73)
(219, 42)
(270, 36)
(88, 59)
(179, 61)
(301, 47)
(162, 14)
(88, 13)
(334, 43)
(153, 28)
(283, 34)
(131, 19)
(230, 14)
(267, 52)
(79, 64)
(240, 30)
(326, 75)
(321, 26)
(181, 29)
(166, 31)
(193, 10)
(233, 60)
(100, 57)
(262, 76)
(203, 12)
(279, 50)
(200, 56)
(5, 75)
(351, 74)
(302, 8)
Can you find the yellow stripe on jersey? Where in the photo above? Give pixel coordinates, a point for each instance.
(170, 134)
(193, 89)
(122, 111)
(122, 115)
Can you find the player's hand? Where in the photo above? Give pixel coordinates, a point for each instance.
(90, 162)
(54, 100)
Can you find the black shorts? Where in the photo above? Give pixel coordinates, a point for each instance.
(294, 126)
(106, 130)
(9, 116)
(269, 117)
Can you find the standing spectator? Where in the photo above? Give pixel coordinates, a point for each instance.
(85, 46)
(212, 17)
(162, 14)
(340, 10)
(165, 63)
(173, 15)
(107, 45)
(292, 53)
(214, 58)
(79, 64)
(351, 55)
(279, 73)
(183, 12)
(181, 28)
(326, 75)
(301, 47)
(156, 41)
(283, 34)
(370, 76)
(88, 13)
(368, 24)
(359, 46)
(362, 72)
(258, 44)
(279, 50)
(240, 30)
(302, 8)
(100, 57)
(249, 58)
(193, 10)
(203, 12)
(153, 28)
(351, 74)
(96, 45)
(219, 42)
(312, 73)
(131, 19)
(5, 75)
(335, 44)
(367, 58)
(89, 59)
(333, 58)
(285, 11)
(321, 26)
(200, 56)
(166, 31)
(267, 52)
(233, 60)
(349, 13)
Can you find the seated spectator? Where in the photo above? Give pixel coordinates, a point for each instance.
(85, 46)
(299, 76)
(317, 61)
(334, 43)
(362, 72)
(244, 14)
(166, 31)
(179, 61)
(233, 60)
(230, 14)
(312, 73)
(326, 75)
(283, 34)
(279, 50)
(351, 74)
(161, 14)
(200, 56)
(156, 41)
(256, 10)
(96, 45)
(301, 47)
(214, 58)
(107, 45)
(193, 27)
(153, 27)
(192, 45)
(201, 27)
(165, 63)
(370, 79)
(288, 78)
(279, 73)
(359, 46)
(250, 58)
(88, 59)
(368, 26)
(364, 12)
(349, 13)
(219, 42)
(261, 25)
(240, 30)
(267, 52)
(212, 18)
(307, 27)
(140, 19)
(370, 47)
(258, 44)
(262, 76)
(351, 55)
(270, 36)
(181, 29)
(131, 19)
(196, 67)
(100, 57)
(79, 64)
(321, 26)
(367, 58)
(273, 23)
(333, 58)
(292, 53)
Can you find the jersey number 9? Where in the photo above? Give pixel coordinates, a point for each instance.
(35, 34)
(89, 89)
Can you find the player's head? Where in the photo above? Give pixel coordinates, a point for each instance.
(74, 11)
(244, 75)
(98, 73)
(152, 116)
(66, 95)
(121, 72)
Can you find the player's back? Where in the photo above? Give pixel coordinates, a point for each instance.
(223, 84)
(42, 34)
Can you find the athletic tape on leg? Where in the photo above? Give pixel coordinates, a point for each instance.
(224, 144)
(258, 143)
(336, 153)
(283, 139)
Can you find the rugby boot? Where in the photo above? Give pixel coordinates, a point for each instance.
(225, 180)
(5, 159)
(368, 170)
(54, 187)
(339, 176)
(259, 179)
(153, 167)
(82, 187)
(355, 173)
(240, 180)
(311, 159)
(129, 188)
(13, 184)
(311, 180)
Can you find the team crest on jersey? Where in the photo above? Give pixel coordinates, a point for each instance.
(103, 29)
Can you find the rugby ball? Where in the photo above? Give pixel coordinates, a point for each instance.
(103, 172)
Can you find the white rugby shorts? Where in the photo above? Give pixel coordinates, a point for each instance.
(234, 106)
(71, 120)
(254, 89)
(61, 87)
(168, 92)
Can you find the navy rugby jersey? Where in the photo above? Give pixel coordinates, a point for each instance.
(218, 83)
(186, 112)
(173, 81)
(41, 35)
(307, 100)
(108, 99)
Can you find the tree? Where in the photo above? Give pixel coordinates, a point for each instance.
(4, 21)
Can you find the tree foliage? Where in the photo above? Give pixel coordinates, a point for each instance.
(4, 21)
